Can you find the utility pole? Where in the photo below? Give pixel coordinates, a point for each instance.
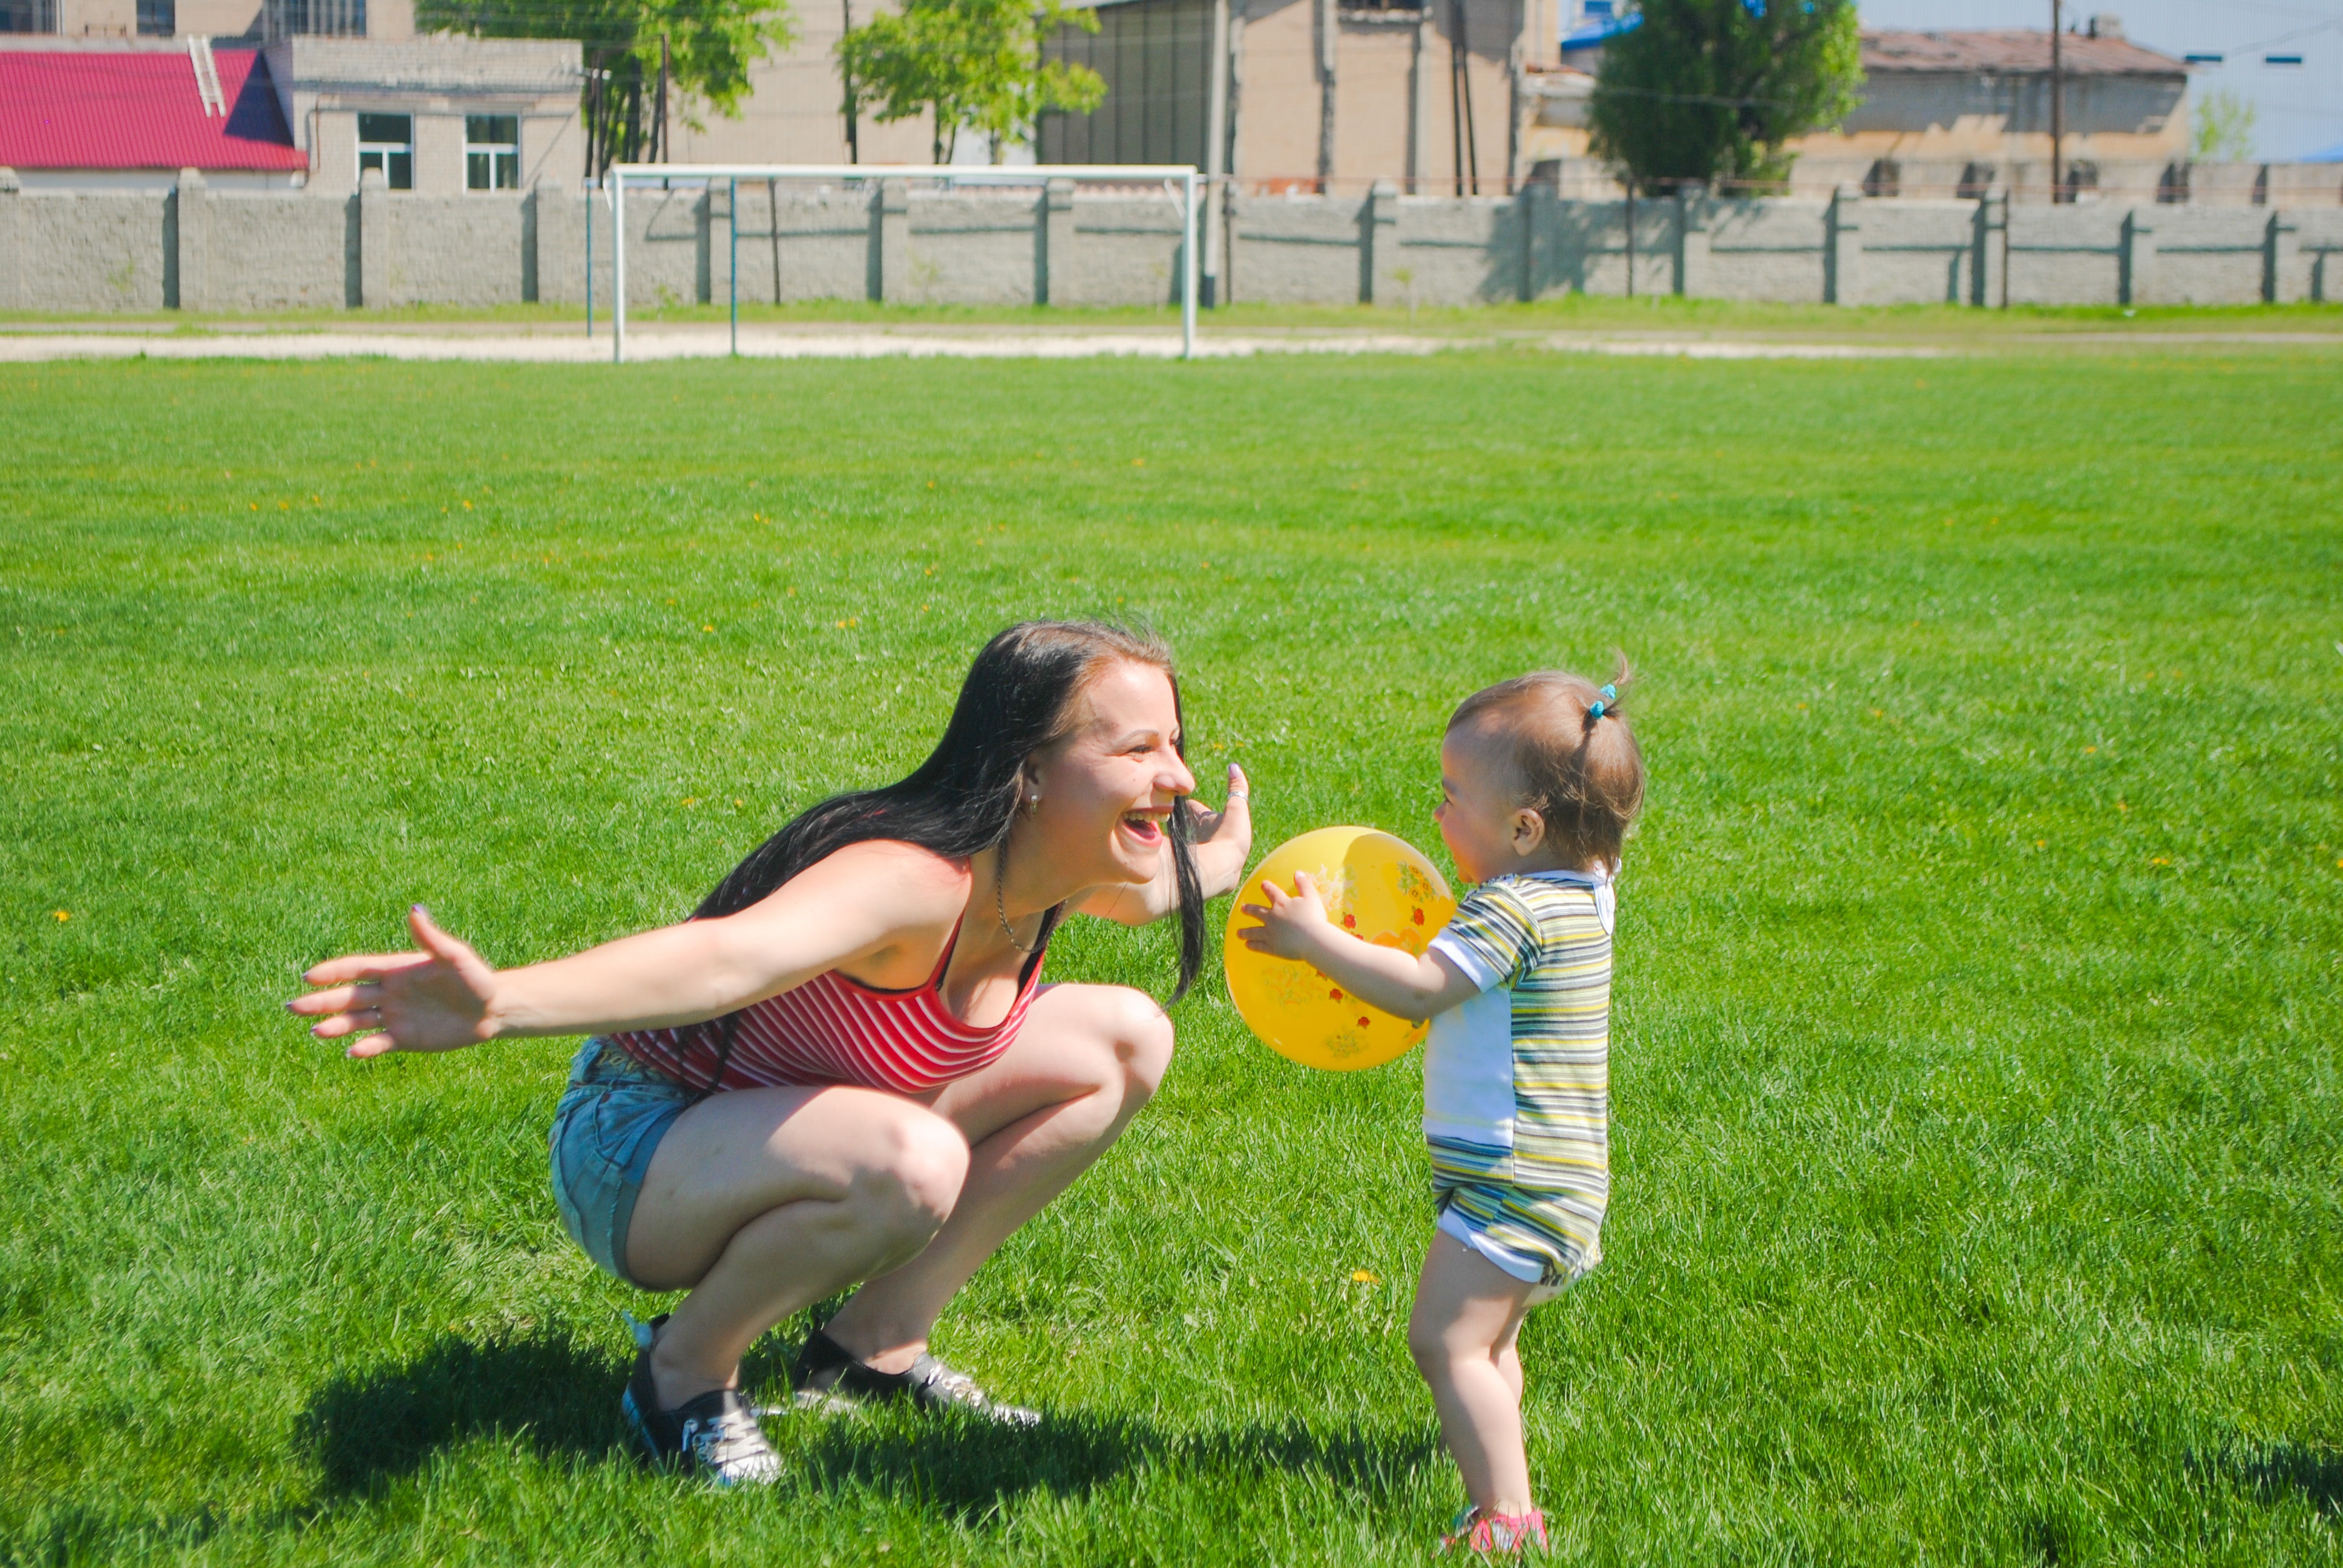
(659, 151)
(1460, 101)
(2057, 105)
(1329, 35)
(846, 79)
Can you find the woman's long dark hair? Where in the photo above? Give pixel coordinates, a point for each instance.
(1017, 700)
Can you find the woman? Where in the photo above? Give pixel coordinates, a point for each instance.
(844, 1069)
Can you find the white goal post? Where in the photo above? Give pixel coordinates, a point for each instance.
(620, 176)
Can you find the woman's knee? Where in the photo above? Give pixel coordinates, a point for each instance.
(918, 1163)
(1140, 1035)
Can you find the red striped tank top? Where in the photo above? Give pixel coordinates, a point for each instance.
(835, 1029)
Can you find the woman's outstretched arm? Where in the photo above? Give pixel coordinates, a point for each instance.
(1223, 840)
(853, 905)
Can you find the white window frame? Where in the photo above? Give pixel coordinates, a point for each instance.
(504, 157)
(385, 151)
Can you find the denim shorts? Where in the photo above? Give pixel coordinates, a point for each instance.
(604, 1131)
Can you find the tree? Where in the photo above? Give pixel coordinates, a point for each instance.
(975, 65)
(1705, 90)
(699, 50)
(2223, 132)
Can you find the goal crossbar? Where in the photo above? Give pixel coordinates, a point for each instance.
(620, 176)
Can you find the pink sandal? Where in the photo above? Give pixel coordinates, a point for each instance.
(1491, 1535)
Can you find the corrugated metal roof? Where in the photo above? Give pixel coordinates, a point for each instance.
(2012, 52)
(138, 110)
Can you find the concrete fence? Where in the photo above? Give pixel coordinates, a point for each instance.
(194, 249)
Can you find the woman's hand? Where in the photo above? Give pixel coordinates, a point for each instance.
(1292, 926)
(1223, 838)
(440, 999)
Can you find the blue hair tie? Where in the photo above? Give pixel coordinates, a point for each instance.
(1610, 694)
(1595, 711)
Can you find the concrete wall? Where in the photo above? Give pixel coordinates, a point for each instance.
(196, 248)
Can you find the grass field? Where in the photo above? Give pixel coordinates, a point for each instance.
(1978, 1105)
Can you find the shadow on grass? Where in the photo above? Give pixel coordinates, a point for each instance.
(388, 1421)
(2276, 1472)
(963, 1469)
(547, 1394)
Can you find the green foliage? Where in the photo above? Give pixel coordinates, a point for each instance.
(1977, 1089)
(975, 65)
(2222, 128)
(1708, 90)
(711, 44)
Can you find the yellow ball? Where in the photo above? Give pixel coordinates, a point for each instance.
(1377, 888)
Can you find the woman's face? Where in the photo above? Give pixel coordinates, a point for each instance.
(1107, 789)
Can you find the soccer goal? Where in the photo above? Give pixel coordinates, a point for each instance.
(730, 175)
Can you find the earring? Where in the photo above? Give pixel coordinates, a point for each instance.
(1032, 804)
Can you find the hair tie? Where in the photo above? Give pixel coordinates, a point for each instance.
(1610, 695)
(1595, 711)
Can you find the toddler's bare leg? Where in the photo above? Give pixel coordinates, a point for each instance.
(1468, 1313)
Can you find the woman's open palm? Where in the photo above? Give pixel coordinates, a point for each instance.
(436, 1000)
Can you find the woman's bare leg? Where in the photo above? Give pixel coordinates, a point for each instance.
(1086, 1059)
(764, 1201)
(1462, 1333)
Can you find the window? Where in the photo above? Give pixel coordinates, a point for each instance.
(1885, 178)
(281, 19)
(386, 141)
(158, 19)
(2281, 59)
(2203, 59)
(491, 152)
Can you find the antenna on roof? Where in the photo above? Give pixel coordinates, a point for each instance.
(207, 85)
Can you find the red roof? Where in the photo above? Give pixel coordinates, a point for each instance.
(2011, 51)
(138, 110)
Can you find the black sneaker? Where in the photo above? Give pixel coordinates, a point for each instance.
(831, 1380)
(715, 1435)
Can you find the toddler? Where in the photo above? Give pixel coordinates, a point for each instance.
(1540, 780)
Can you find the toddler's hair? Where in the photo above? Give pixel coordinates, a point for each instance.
(1574, 759)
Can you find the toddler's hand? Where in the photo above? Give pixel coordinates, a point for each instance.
(1290, 926)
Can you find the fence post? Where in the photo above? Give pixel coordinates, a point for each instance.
(1378, 235)
(1843, 249)
(532, 240)
(1530, 206)
(703, 244)
(889, 273)
(1987, 259)
(2281, 257)
(1694, 276)
(2138, 260)
(12, 219)
(1053, 243)
(374, 240)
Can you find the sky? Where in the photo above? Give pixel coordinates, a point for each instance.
(2299, 107)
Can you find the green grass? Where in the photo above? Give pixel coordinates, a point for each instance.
(1570, 313)
(1976, 1049)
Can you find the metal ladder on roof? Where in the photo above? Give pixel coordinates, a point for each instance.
(207, 84)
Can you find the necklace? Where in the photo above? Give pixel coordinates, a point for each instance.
(1001, 905)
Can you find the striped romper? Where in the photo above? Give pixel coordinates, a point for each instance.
(1516, 1080)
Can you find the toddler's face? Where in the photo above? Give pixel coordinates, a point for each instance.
(1477, 810)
